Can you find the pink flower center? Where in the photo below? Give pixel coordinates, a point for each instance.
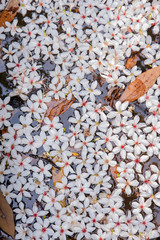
(113, 209)
(137, 160)
(147, 181)
(81, 189)
(44, 230)
(12, 147)
(35, 215)
(122, 146)
(62, 231)
(84, 103)
(94, 220)
(3, 105)
(84, 230)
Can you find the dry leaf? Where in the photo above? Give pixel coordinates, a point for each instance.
(113, 94)
(131, 62)
(9, 12)
(114, 172)
(140, 85)
(57, 107)
(57, 177)
(6, 217)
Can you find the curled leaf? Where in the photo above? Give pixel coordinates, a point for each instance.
(57, 107)
(140, 85)
(6, 217)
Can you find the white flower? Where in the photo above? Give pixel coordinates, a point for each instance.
(114, 210)
(22, 191)
(4, 104)
(20, 212)
(125, 169)
(120, 109)
(84, 230)
(107, 160)
(7, 192)
(139, 143)
(137, 160)
(4, 115)
(42, 229)
(66, 164)
(34, 214)
(127, 183)
(133, 126)
(120, 123)
(61, 231)
(52, 200)
(122, 146)
(82, 190)
(142, 205)
(149, 182)
(153, 144)
(24, 126)
(47, 124)
(41, 171)
(91, 91)
(33, 109)
(107, 138)
(145, 223)
(21, 230)
(156, 171)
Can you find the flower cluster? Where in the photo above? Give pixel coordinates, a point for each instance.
(106, 154)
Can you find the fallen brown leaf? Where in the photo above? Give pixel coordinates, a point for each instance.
(10, 11)
(114, 172)
(131, 62)
(57, 107)
(140, 85)
(6, 217)
(113, 94)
